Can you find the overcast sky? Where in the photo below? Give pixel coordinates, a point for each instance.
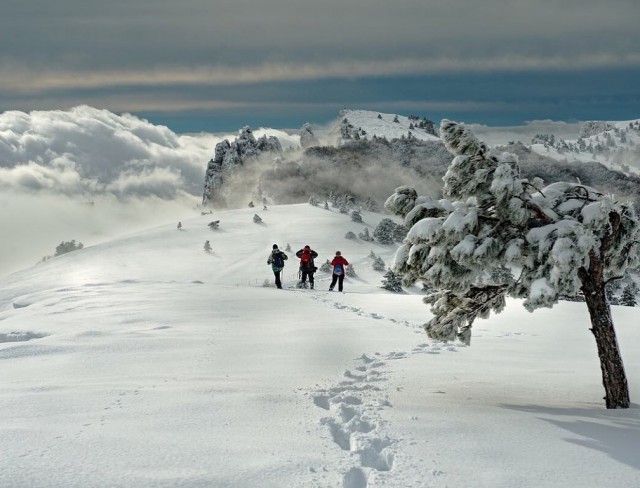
(215, 65)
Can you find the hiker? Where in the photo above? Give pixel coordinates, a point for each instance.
(307, 266)
(276, 260)
(339, 263)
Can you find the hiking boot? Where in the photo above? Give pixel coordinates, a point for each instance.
(331, 288)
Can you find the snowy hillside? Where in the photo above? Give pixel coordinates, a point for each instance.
(380, 124)
(616, 145)
(148, 362)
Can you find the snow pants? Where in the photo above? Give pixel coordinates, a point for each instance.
(336, 278)
(306, 274)
(277, 275)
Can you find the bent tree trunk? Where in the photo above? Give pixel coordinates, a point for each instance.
(613, 375)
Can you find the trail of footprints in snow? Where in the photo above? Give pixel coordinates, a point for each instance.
(355, 403)
(354, 424)
(358, 311)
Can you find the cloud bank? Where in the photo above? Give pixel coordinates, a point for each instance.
(91, 175)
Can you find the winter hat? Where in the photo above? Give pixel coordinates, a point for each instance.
(338, 253)
(275, 246)
(307, 248)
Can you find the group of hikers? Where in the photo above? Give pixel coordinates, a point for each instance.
(307, 267)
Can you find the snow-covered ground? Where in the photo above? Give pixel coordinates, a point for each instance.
(620, 142)
(147, 362)
(383, 126)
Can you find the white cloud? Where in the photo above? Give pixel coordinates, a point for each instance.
(85, 151)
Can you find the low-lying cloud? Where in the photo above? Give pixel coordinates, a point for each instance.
(91, 175)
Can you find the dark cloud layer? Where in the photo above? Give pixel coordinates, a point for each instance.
(201, 56)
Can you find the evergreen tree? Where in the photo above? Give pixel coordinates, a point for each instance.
(399, 232)
(370, 205)
(378, 264)
(179, 225)
(629, 293)
(68, 246)
(214, 225)
(350, 271)
(392, 281)
(384, 231)
(563, 238)
(356, 217)
(207, 246)
(257, 219)
(502, 275)
(288, 248)
(350, 235)
(326, 267)
(365, 236)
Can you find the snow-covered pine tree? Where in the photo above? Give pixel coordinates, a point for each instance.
(326, 267)
(399, 232)
(350, 271)
(563, 238)
(384, 231)
(356, 216)
(257, 219)
(350, 235)
(288, 248)
(628, 298)
(365, 236)
(392, 281)
(68, 246)
(378, 264)
(207, 246)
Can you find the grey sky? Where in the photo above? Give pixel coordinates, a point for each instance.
(153, 55)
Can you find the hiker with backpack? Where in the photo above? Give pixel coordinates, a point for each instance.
(339, 263)
(276, 260)
(307, 266)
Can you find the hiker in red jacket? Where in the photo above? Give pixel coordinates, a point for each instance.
(338, 264)
(307, 265)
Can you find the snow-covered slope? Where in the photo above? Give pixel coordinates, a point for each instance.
(147, 362)
(390, 126)
(613, 144)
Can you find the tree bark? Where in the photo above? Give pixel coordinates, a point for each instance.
(613, 375)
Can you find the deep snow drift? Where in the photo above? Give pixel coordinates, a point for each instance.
(147, 362)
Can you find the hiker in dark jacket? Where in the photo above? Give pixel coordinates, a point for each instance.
(339, 264)
(307, 266)
(276, 260)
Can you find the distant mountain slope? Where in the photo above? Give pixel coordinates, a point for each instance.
(380, 124)
(613, 144)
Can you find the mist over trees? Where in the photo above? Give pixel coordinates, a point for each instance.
(369, 169)
(365, 169)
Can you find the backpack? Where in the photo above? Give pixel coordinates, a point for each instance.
(278, 260)
(338, 269)
(306, 260)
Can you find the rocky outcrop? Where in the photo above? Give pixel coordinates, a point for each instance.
(229, 155)
(307, 137)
